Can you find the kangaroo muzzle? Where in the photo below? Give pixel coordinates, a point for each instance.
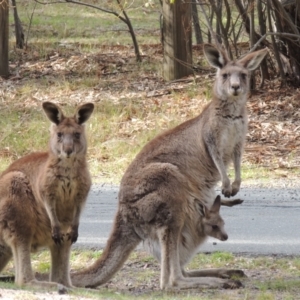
(68, 147)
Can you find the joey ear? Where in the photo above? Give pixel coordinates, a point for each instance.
(252, 60)
(53, 112)
(201, 209)
(217, 204)
(216, 57)
(204, 213)
(84, 112)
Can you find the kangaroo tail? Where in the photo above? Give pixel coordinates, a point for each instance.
(121, 243)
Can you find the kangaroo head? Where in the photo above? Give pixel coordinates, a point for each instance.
(67, 133)
(212, 222)
(232, 80)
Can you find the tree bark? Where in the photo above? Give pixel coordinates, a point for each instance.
(262, 28)
(198, 33)
(252, 40)
(289, 25)
(177, 39)
(275, 48)
(18, 27)
(4, 20)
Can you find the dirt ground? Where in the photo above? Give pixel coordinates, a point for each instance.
(276, 276)
(273, 139)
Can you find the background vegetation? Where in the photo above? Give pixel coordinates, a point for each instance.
(75, 54)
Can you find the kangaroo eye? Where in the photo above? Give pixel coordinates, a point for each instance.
(215, 227)
(244, 76)
(59, 134)
(77, 135)
(225, 75)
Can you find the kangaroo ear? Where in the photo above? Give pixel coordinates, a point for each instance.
(216, 57)
(84, 112)
(201, 209)
(217, 204)
(252, 60)
(53, 112)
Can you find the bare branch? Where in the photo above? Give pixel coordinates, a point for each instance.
(276, 52)
(282, 34)
(135, 43)
(125, 19)
(284, 16)
(221, 26)
(85, 4)
(208, 24)
(228, 16)
(29, 26)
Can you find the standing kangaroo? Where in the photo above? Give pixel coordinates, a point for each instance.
(41, 198)
(175, 175)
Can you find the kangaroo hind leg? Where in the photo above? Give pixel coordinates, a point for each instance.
(60, 260)
(172, 275)
(23, 269)
(16, 224)
(5, 256)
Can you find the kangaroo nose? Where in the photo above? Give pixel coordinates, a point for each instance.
(69, 151)
(235, 87)
(225, 237)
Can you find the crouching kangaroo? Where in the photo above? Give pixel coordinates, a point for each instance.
(41, 198)
(174, 176)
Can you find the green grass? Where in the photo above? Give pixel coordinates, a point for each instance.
(116, 130)
(63, 23)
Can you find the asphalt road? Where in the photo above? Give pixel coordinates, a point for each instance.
(268, 222)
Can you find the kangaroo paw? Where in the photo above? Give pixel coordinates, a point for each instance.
(226, 192)
(56, 235)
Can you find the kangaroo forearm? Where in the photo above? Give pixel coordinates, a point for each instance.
(217, 159)
(51, 212)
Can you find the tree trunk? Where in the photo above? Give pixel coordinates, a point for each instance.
(252, 40)
(263, 30)
(177, 38)
(4, 17)
(287, 16)
(218, 10)
(275, 47)
(18, 27)
(198, 33)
